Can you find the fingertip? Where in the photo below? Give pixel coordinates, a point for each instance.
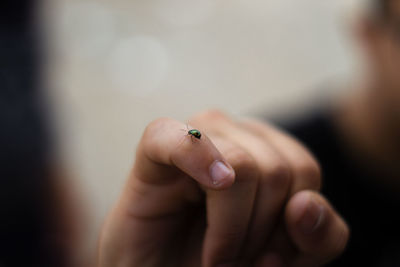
(306, 213)
(201, 160)
(314, 226)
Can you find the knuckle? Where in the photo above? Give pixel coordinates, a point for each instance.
(154, 127)
(243, 163)
(278, 175)
(310, 172)
(150, 132)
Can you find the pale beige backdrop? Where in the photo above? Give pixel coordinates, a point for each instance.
(116, 65)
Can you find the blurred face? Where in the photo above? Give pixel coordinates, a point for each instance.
(382, 39)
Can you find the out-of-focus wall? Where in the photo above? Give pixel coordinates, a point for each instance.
(116, 65)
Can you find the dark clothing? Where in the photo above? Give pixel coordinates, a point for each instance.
(353, 188)
(25, 214)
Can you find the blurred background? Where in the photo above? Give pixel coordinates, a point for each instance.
(113, 66)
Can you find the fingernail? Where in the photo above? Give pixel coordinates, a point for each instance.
(312, 217)
(219, 171)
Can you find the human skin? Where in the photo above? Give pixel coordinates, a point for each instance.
(369, 119)
(262, 209)
(275, 177)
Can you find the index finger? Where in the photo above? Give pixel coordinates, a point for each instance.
(165, 147)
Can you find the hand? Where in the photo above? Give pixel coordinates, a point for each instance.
(245, 194)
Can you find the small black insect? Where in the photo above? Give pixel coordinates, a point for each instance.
(192, 133)
(195, 133)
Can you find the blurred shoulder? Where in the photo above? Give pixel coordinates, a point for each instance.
(314, 128)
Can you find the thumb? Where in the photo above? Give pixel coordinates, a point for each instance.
(317, 231)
